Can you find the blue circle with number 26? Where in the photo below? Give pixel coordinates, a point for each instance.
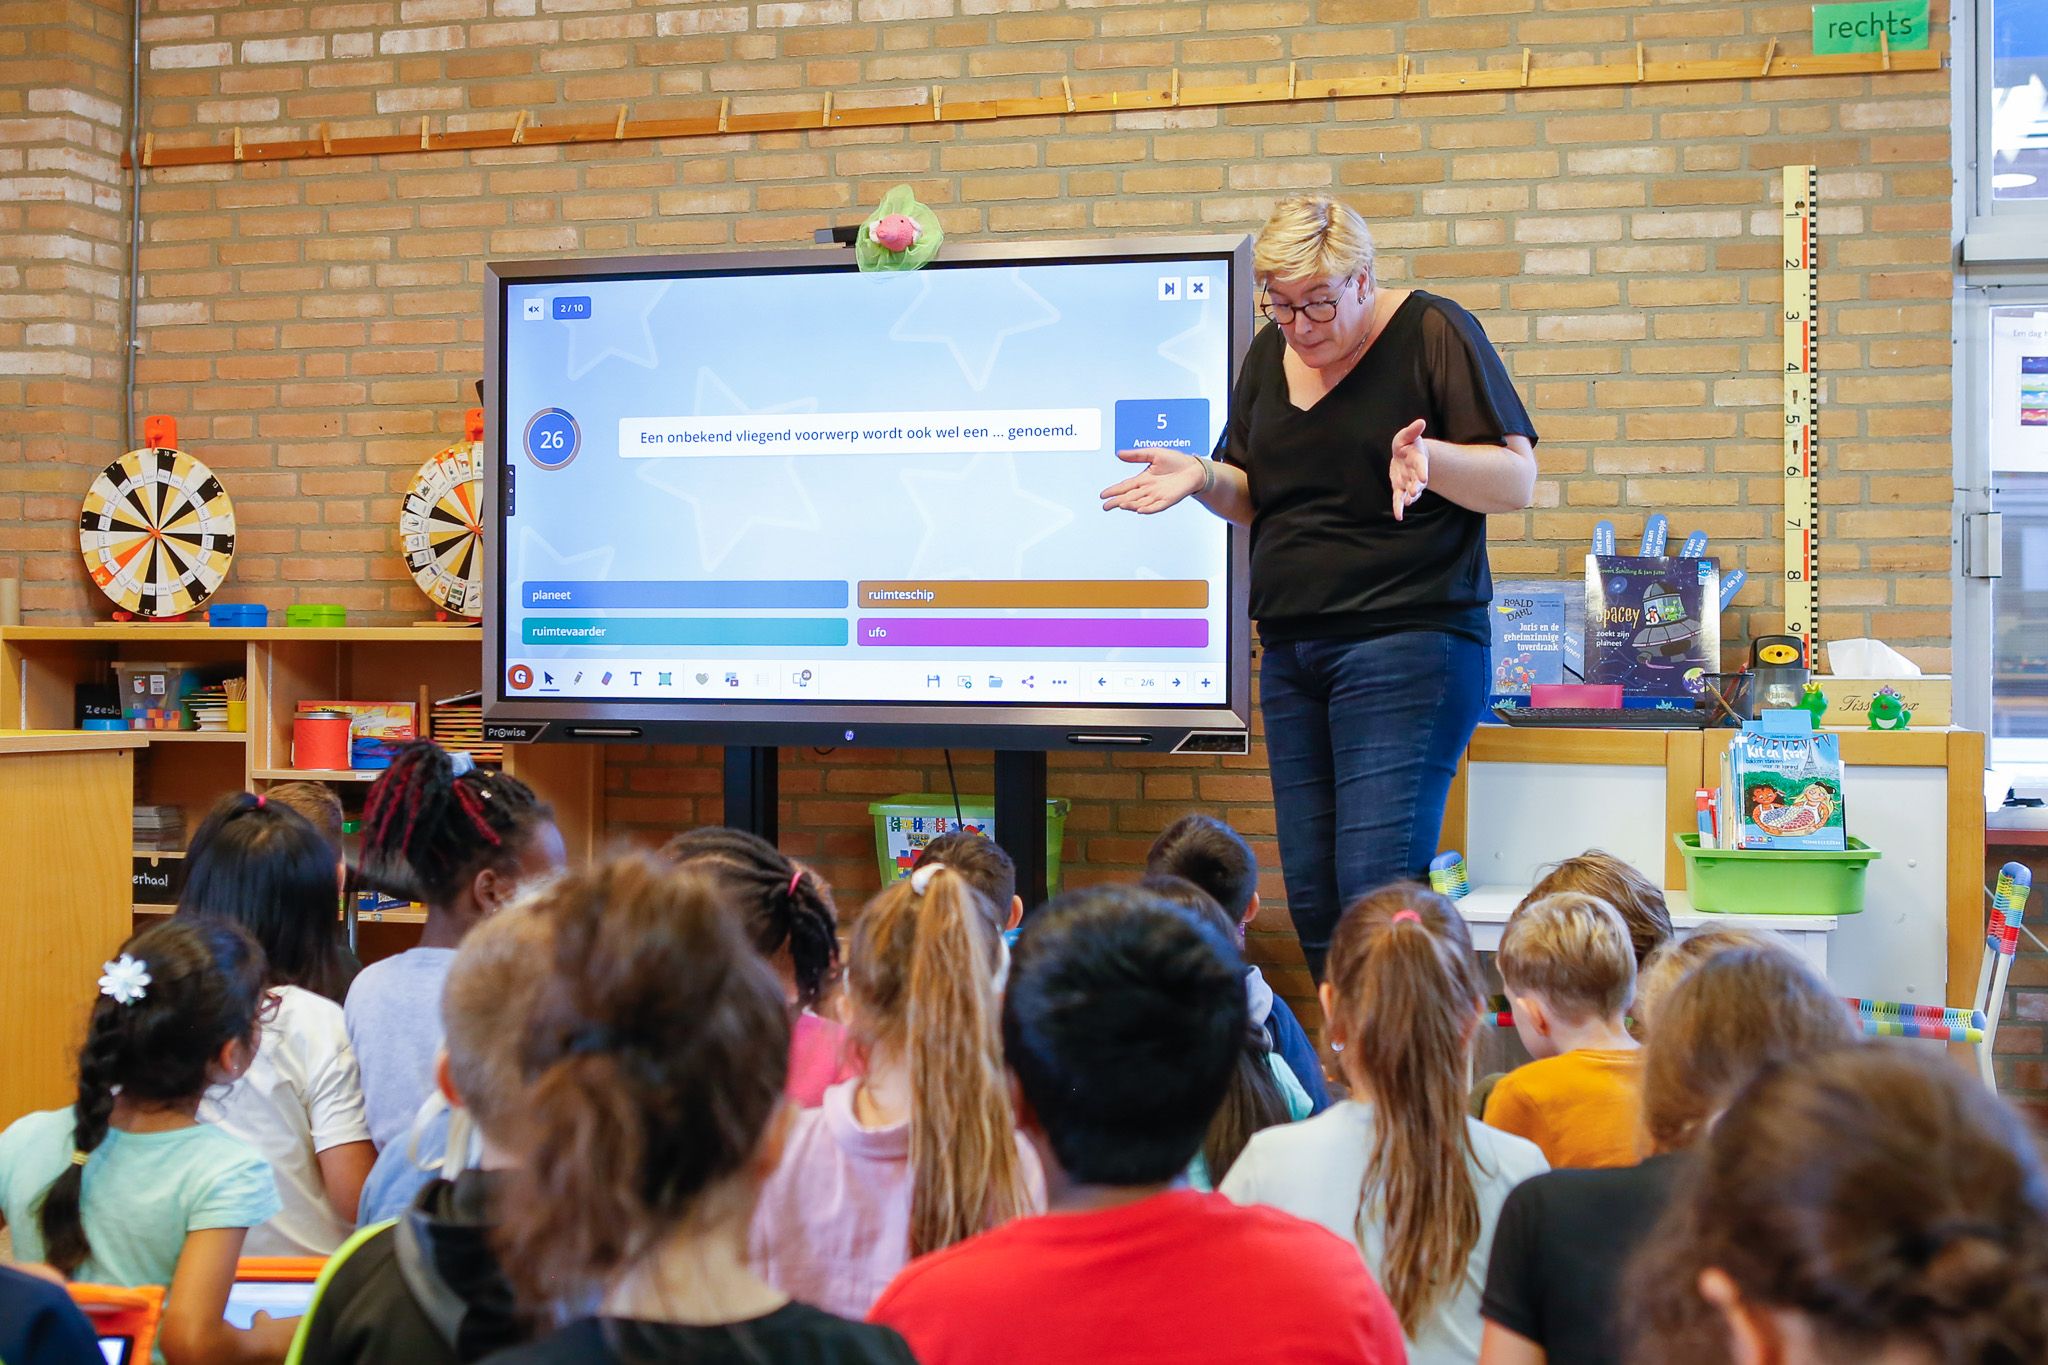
(552, 438)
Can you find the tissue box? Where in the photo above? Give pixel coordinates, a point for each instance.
(1928, 697)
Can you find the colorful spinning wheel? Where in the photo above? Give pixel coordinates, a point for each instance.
(157, 529)
(441, 523)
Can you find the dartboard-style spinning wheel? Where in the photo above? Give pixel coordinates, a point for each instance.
(157, 529)
(441, 524)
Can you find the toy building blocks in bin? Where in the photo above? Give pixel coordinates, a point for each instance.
(153, 694)
(1781, 786)
(905, 824)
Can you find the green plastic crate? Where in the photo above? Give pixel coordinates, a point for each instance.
(905, 824)
(1775, 881)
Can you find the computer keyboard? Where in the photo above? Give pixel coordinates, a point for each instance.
(1600, 718)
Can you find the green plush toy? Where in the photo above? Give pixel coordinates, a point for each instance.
(901, 234)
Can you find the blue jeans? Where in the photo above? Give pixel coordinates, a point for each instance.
(1364, 738)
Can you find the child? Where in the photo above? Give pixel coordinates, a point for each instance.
(301, 1102)
(1123, 1021)
(1634, 897)
(791, 918)
(1400, 1170)
(40, 1325)
(986, 867)
(427, 1289)
(1216, 858)
(1262, 1091)
(1570, 971)
(922, 1150)
(1553, 1287)
(1676, 960)
(321, 808)
(655, 1058)
(460, 839)
(1873, 1204)
(127, 1187)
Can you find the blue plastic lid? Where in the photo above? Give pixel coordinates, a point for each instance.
(237, 614)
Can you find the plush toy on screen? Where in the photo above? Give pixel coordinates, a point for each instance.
(440, 524)
(157, 529)
(901, 234)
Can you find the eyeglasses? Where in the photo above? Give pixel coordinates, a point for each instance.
(1320, 310)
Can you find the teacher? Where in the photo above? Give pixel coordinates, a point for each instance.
(1370, 432)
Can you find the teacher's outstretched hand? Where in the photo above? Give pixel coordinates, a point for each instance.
(1408, 472)
(1168, 477)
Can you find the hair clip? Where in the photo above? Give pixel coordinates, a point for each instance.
(794, 878)
(1405, 916)
(261, 800)
(921, 879)
(124, 981)
(460, 762)
(80, 1157)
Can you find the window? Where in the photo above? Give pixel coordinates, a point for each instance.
(2016, 422)
(2017, 123)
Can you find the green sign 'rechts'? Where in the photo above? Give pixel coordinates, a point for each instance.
(1856, 28)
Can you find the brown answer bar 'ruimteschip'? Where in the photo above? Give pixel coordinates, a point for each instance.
(1067, 594)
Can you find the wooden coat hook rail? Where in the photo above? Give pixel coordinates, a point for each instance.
(1404, 79)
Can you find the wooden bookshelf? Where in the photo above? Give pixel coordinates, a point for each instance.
(41, 666)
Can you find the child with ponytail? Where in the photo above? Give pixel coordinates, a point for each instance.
(1399, 1169)
(263, 867)
(126, 1187)
(792, 921)
(922, 1151)
(655, 1054)
(460, 840)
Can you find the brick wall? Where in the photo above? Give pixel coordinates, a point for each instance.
(314, 325)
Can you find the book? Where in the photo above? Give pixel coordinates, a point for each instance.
(1529, 629)
(1781, 786)
(1653, 624)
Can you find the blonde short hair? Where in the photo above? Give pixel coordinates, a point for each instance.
(1312, 237)
(1675, 961)
(1572, 951)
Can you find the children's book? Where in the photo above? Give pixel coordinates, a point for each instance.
(1528, 640)
(1653, 624)
(1781, 786)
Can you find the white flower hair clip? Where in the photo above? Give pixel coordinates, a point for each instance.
(460, 762)
(921, 879)
(124, 981)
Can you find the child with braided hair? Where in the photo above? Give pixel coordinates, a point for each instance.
(792, 921)
(127, 1187)
(460, 840)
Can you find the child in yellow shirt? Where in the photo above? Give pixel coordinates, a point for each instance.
(1570, 971)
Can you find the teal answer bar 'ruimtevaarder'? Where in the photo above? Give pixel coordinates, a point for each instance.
(686, 630)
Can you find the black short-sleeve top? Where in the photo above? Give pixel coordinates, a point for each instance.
(1328, 559)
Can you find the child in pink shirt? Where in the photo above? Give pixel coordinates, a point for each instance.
(922, 1151)
(791, 919)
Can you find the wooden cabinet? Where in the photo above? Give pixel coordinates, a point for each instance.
(191, 769)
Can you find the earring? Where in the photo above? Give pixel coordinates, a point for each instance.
(1336, 1046)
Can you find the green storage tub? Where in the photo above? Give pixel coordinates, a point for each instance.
(905, 824)
(1775, 881)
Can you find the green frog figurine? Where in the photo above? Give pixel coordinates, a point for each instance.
(1888, 710)
(1814, 703)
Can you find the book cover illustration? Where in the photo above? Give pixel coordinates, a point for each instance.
(1786, 790)
(377, 729)
(1528, 640)
(1653, 623)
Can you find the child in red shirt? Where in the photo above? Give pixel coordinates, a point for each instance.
(1123, 1020)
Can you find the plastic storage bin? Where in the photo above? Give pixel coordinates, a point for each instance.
(153, 695)
(905, 824)
(1771, 881)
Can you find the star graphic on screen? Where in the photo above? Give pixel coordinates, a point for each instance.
(629, 338)
(540, 562)
(954, 507)
(975, 335)
(1195, 349)
(730, 496)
